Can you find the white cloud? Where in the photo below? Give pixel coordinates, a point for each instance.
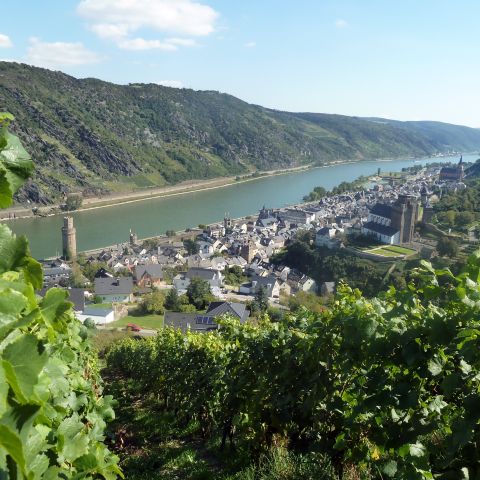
(340, 23)
(183, 42)
(171, 83)
(58, 54)
(109, 31)
(142, 44)
(5, 41)
(119, 20)
(250, 44)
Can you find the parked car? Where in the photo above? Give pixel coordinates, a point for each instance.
(133, 327)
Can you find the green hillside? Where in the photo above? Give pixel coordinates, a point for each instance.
(99, 137)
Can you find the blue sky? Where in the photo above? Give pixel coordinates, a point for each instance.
(408, 59)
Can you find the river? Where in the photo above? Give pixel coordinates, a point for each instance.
(111, 225)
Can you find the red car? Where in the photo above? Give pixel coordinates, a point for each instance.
(132, 327)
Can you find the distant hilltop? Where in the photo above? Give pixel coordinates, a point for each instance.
(97, 137)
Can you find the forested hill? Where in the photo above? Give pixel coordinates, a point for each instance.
(98, 137)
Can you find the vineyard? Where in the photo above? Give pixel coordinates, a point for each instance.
(372, 388)
(52, 412)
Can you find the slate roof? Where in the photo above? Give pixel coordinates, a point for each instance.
(152, 269)
(381, 210)
(450, 170)
(114, 286)
(381, 229)
(97, 312)
(102, 273)
(217, 309)
(56, 271)
(178, 319)
(203, 273)
(75, 295)
(267, 282)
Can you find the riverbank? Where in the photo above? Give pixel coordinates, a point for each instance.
(154, 216)
(186, 187)
(183, 188)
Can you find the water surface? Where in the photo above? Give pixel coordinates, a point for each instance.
(109, 226)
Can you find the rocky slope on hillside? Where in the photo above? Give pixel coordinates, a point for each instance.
(97, 137)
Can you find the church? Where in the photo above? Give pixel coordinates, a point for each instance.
(453, 174)
(393, 224)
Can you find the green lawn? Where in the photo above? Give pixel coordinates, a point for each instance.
(100, 305)
(390, 251)
(147, 321)
(384, 252)
(398, 249)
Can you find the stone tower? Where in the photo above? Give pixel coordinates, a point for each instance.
(69, 239)
(248, 251)
(227, 223)
(133, 238)
(404, 216)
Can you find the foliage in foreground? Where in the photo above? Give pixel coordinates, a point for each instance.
(52, 412)
(389, 385)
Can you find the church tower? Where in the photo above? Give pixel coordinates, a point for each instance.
(227, 223)
(404, 216)
(69, 239)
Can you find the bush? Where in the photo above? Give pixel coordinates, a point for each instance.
(153, 303)
(74, 202)
(89, 323)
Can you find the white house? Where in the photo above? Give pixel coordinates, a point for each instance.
(270, 283)
(213, 277)
(101, 316)
(114, 289)
(326, 237)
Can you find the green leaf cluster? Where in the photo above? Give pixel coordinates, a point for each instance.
(52, 412)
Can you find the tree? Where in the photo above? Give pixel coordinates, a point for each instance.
(74, 201)
(191, 246)
(150, 243)
(90, 269)
(77, 279)
(463, 219)
(260, 303)
(447, 247)
(234, 275)
(172, 300)
(170, 233)
(199, 293)
(153, 303)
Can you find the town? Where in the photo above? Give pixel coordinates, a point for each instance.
(189, 279)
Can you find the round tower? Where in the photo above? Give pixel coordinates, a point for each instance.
(69, 239)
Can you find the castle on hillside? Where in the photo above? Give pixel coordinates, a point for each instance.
(393, 224)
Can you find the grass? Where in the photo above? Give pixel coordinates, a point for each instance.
(153, 444)
(398, 249)
(390, 251)
(154, 322)
(103, 339)
(100, 305)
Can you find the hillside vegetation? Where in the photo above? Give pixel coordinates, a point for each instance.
(376, 388)
(97, 137)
